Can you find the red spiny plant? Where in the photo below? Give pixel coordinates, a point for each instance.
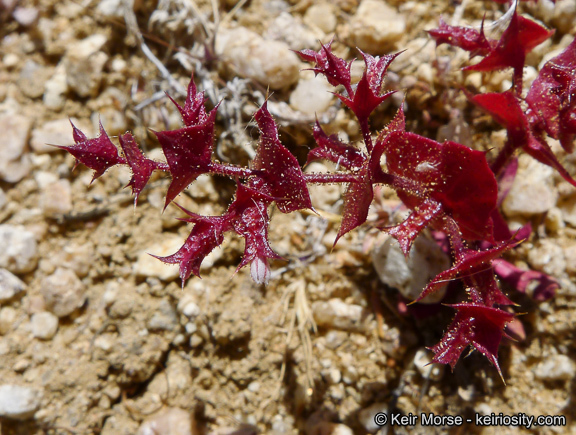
(448, 187)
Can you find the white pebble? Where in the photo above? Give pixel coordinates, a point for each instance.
(55, 89)
(56, 132)
(44, 325)
(289, 28)
(169, 421)
(312, 96)
(366, 416)
(10, 285)
(146, 265)
(410, 275)
(335, 313)
(321, 16)
(376, 27)
(270, 63)
(84, 64)
(555, 368)
(56, 199)
(18, 402)
(7, 318)
(19, 253)
(63, 292)
(423, 362)
(533, 189)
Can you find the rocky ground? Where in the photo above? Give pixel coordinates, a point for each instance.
(96, 336)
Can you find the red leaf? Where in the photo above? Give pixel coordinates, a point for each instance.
(188, 153)
(207, 234)
(419, 219)
(470, 263)
(357, 200)
(552, 97)
(335, 69)
(330, 148)
(248, 212)
(141, 167)
(280, 169)
(505, 108)
(367, 95)
(476, 325)
(443, 173)
(99, 153)
(194, 111)
(519, 38)
(466, 38)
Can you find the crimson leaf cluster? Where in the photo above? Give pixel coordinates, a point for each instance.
(448, 187)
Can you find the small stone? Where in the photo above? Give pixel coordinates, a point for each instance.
(63, 292)
(146, 265)
(554, 220)
(7, 317)
(20, 251)
(410, 275)
(10, 285)
(288, 28)
(366, 416)
(321, 16)
(570, 256)
(188, 306)
(270, 63)
(56, 132)
(78, 258)
(533, 190)
(423, 362)
(18, 402)
(14, 165)
(84, 64)
(55, 89)
(56, 199)
(3, 199)
(568, 209)
(170, 421)
(164, 318)
(33, 78)
(336, 313)
(556, 368)
(376, 27)
(111, 8)
(312, 96)
(547, 256)
(15, 131)
(10, 60)
(44, 325)
(25, 16)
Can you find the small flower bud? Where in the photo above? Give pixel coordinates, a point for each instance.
(260, 270)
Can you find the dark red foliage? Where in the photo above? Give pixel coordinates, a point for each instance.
(188, 152)
(447, 186)
(476, 325)
(519, 38)
(99, 153)
(440, 173)
(250, 220)
(141, 167)
(552, 98)
(466, 38)
(207, 234)
(506, 109)
(335, 69)
(282, 175)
